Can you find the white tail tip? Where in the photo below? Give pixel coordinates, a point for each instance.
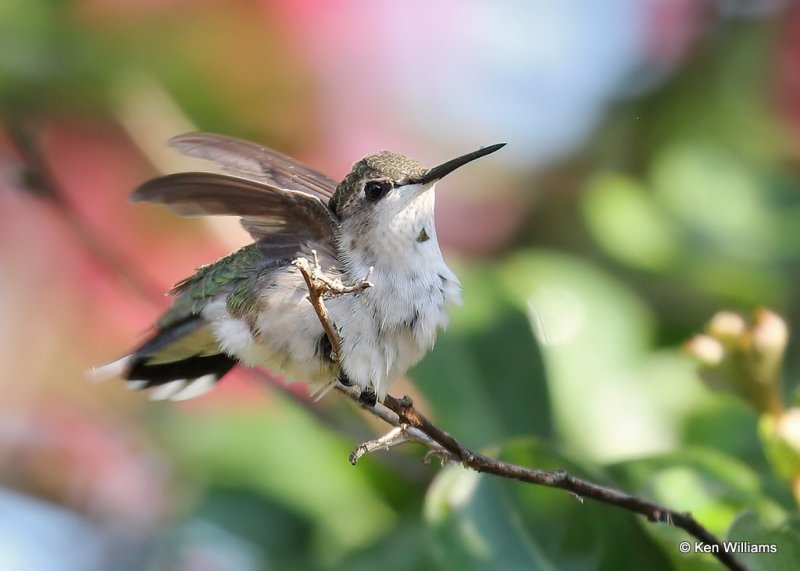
(109, 371)
(135, 385)
(167, 390)
(196, 388)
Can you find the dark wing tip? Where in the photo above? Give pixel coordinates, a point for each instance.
(141, 193)
(161, 189)
(148, 191)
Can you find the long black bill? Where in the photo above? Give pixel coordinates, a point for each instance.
(444, 169)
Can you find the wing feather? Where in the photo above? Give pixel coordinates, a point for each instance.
(283, 222)
(255, 162)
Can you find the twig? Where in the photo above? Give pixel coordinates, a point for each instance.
(411, 425)
(394, 437)
(412, 433)
(320, 286)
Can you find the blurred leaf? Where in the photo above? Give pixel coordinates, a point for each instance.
(778, 436)
(728, 213)
(718, 196)
(595, 334)
(216, 546)
(286, 455)
(720, 96)
(731, 280)
(47, 63)
(712, 486)
(484, 522)
(283, 536)
(626, 222)
(729, 426)
(26, 27)
(404, 549)
(474, 527)
(785, 538)
(485, 378)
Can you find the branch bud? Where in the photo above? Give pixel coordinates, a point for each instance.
(743, 359)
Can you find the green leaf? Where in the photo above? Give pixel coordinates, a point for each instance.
(287, 456)
(485, 378)
(404, 549)
(480, 521)
(777, 547)
(727, 425)
(281, 536)
(716, 195)
(711, 485)
(629, 224)
(727, 213)
(779, 447)
(595, 335)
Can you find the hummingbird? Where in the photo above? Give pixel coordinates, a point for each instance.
(251, 307)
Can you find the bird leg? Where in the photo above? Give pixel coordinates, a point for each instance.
(368, 397)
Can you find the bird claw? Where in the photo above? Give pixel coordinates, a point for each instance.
(368, 397)
(327, 286)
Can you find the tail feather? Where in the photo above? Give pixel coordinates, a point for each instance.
(200, 386)
(178, 363)
(192, 367)
(110, 370)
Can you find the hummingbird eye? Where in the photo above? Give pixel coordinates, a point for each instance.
(374, 190)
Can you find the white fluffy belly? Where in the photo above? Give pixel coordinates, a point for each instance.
(384, 330)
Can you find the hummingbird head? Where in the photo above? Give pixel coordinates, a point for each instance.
(371, 180)
(385, 208)
(387, 194)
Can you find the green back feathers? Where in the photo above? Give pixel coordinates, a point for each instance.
(231, 274)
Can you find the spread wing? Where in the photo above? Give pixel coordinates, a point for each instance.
(254, 162)
(284, 223)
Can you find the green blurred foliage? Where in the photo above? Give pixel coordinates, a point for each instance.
(564, 356)
(785, 537)
(481, 522)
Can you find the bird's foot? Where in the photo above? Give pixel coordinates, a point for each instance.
(368, 397)
(325, 285)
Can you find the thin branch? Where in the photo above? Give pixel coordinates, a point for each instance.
(411, 425)
(412, 434)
